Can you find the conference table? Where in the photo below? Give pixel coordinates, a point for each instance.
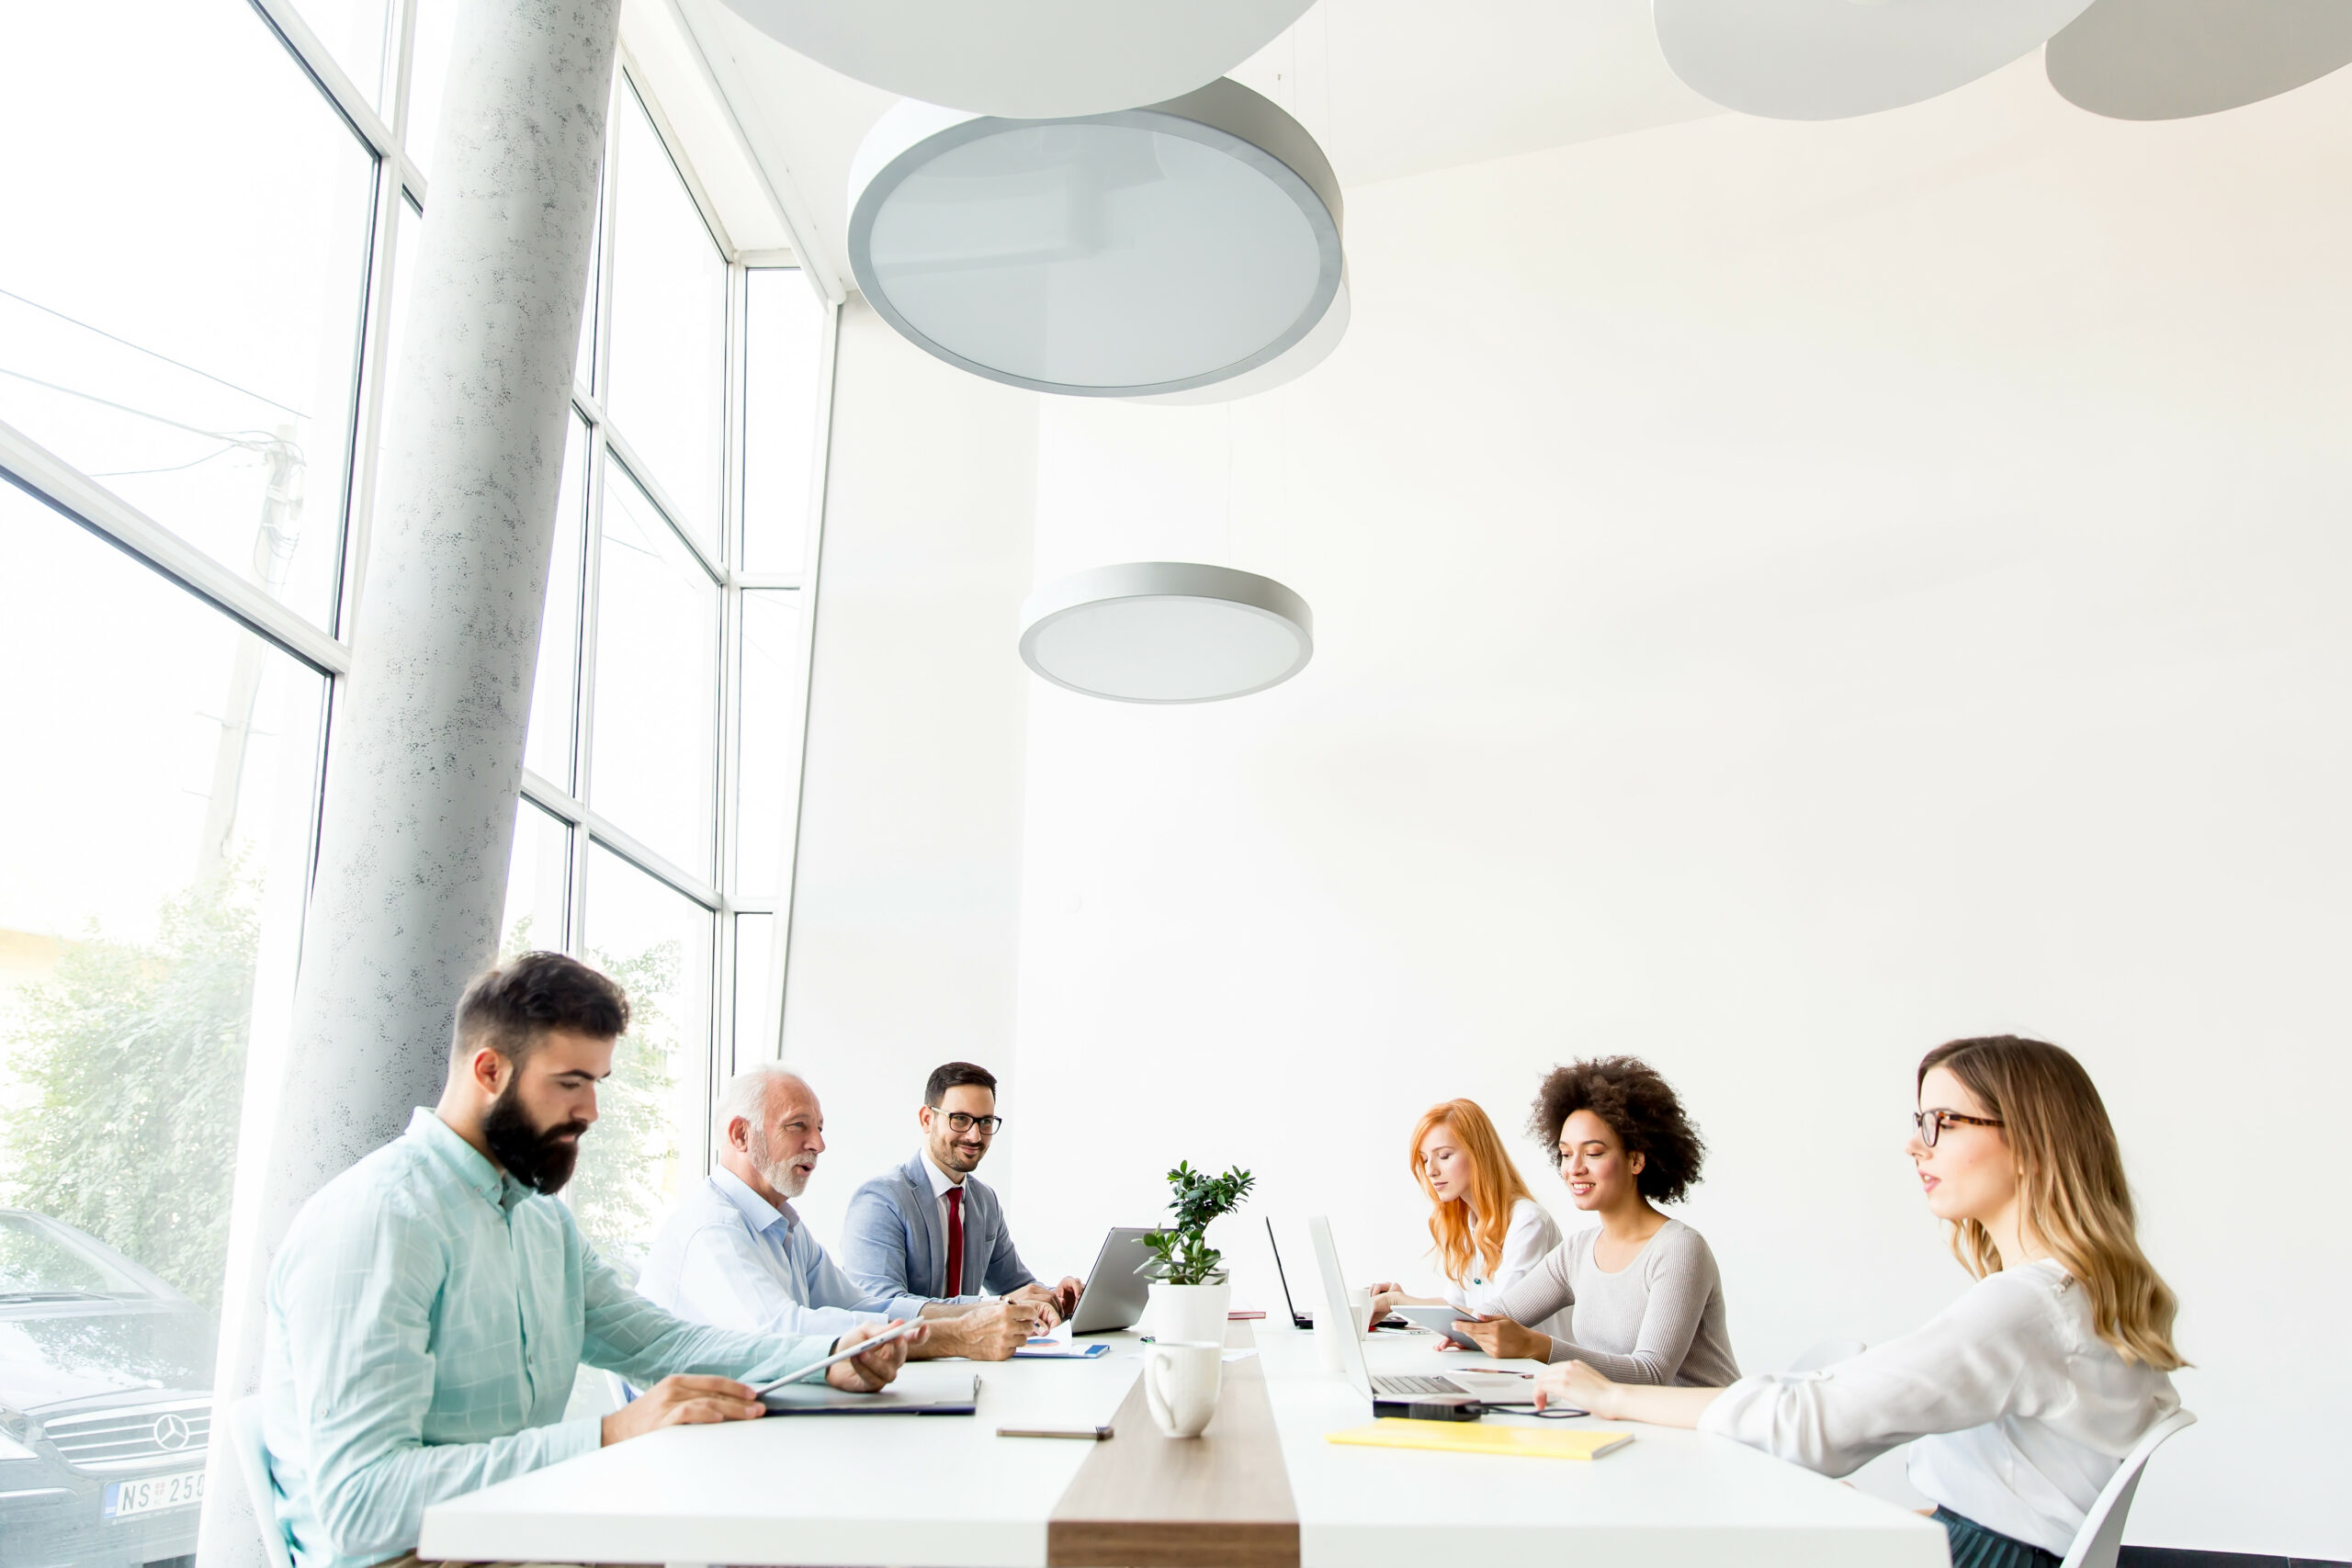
(1260, 1489)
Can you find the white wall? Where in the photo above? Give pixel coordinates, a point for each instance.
(1786, 595)
(906, 909)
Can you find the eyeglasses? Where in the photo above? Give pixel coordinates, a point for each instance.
(963, 1122)
(1931, 1124)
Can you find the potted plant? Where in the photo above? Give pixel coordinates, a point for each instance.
(1190, 1292)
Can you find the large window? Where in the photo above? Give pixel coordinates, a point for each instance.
(662, 771)
(210, 205)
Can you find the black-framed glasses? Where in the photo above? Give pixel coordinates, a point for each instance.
(963, 1122)
(1931, 1124)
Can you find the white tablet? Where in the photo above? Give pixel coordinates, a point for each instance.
(1438, 1320)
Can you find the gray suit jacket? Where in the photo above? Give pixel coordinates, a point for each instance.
(895, 1242)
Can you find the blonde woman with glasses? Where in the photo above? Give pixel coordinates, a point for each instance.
(1486, 1228)
(2026, 1393)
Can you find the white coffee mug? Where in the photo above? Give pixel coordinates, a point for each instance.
(1327, 1345)
(1180, 1380)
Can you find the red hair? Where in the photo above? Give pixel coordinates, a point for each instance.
(1496, 1187)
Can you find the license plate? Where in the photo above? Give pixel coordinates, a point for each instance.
(182, 1490)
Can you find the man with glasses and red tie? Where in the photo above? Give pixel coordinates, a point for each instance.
(929, 1228)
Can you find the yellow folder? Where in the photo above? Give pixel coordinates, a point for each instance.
(1476, 1437)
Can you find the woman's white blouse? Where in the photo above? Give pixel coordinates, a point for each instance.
(2021, 1412)
(1532, 1234)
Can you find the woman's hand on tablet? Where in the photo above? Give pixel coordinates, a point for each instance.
(1506, 1340)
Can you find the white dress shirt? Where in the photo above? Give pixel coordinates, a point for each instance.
(2022, 1413)
(1532, 1234)
(728, 1257)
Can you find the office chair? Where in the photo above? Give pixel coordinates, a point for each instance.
(2101, 1537)
(253, 1463)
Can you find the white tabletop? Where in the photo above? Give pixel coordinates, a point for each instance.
(1670, 1498)
(945, 1491)
(905, 1491)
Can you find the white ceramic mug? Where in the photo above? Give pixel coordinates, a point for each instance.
(1180, 1380)
(1327, 1345)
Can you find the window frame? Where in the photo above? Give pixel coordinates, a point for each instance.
(328, 650)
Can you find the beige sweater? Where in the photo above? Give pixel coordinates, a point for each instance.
(1658, 1320)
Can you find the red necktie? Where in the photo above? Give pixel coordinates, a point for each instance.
(954, 1241)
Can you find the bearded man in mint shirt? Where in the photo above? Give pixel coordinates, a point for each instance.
(431, 1306)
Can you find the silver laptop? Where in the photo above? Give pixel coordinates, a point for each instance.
(1415, 1388)
(1115, 1295)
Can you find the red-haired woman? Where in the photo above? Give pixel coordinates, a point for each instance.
(1488, 1228)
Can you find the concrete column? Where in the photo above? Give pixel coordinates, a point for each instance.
(426, 745)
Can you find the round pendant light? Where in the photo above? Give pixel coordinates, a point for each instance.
(2178, 59)
(1028, 59)
(1147, 251)
(1834, 59)
(1165, 632)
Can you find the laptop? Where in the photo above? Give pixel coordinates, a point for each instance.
(1115, 1293)
(1461, 1397)
(1305, 1321)
(1298, 1320)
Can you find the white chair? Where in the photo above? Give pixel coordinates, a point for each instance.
(253, 1462)
(2101, 1537)
(1827, 1353)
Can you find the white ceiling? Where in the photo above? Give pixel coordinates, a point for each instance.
(1385, 92)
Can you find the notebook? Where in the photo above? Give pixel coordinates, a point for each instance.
(1534, 1442)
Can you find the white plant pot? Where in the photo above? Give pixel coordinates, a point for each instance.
(1188, 1312)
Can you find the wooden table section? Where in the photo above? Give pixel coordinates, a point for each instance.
(1220, 1500)
(1260, 1489)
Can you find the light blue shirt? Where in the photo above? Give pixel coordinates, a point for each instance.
(427, 1313)
(728, 1257)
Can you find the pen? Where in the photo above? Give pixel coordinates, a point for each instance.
(1084, 1434)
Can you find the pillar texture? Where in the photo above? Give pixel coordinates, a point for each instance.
(426, 745)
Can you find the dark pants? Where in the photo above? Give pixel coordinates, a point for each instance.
(1974, 1546)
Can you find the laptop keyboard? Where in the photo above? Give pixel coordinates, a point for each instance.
(1414, 1384)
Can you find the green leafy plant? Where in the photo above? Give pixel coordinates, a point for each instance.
(129, 1064)
(1181, 1254)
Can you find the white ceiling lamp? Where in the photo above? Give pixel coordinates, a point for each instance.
(1165, 632)
(1028, 59)
(2178, 59)
(1835, 58)
(1170, 250)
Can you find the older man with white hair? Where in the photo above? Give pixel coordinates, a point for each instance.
(736, 1255)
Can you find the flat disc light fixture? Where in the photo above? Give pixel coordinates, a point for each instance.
(1165, 632)
(1142, 252)
(1834, 59)
(1028, 59)
(2178, 59)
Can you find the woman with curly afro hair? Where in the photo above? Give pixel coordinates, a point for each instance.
(1647, 1300)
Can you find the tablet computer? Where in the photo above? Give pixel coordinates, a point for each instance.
(1438, 1320)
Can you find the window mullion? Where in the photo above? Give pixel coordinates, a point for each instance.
(779, 968)
(41, 472)
(372, 404)
(592, 562)
(643, 472)
(315, 57)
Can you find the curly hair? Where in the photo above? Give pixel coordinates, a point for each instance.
(1639, 1106)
